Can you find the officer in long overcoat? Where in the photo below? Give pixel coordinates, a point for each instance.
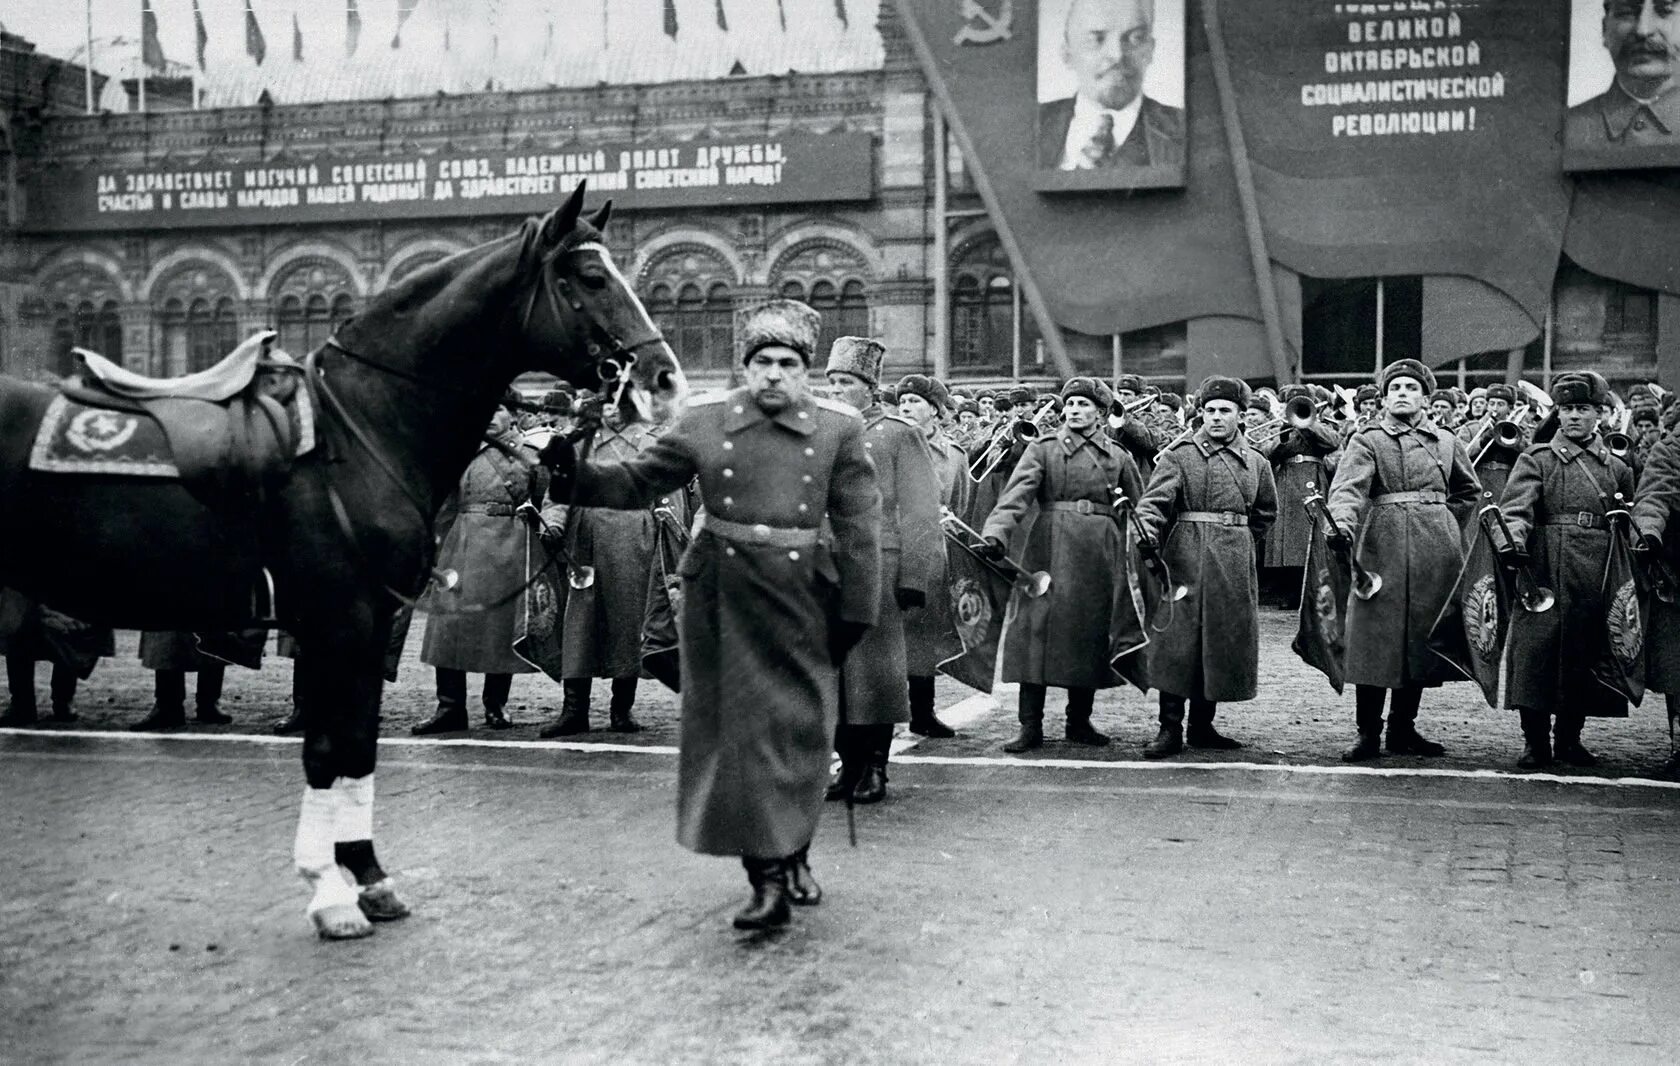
(31, 633)
(1491, 459)
(872, 685)
(1067, 478)
(1402, 490)
(1655, 508)
(766, 615)
(487, 544)
(1555, 505)
(174, 655)
(1210, 495)
(602, 631)
(1303, 461)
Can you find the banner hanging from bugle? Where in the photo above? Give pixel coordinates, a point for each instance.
(978, 598)
(1326, 580)
(1470, 631)
(1621, 661)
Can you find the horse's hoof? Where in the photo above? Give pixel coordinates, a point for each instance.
(341, 921)
(380, 903)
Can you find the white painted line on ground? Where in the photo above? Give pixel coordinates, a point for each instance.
(981, 761)
(959, 715)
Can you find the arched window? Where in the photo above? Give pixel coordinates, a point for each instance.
(688, 293)
(172, 323)
(96, 327)
(304, 324)
(982, 321)
(194, 310)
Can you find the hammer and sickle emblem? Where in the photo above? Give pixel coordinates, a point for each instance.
(981, 27)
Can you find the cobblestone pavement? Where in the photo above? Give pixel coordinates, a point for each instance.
(1297, 719)
(993, 913)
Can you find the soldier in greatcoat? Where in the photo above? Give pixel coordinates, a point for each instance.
(31, 633)
(1402, 490)
(486, 543)
(1555, 505)
(1211, 493)
(1491, 459)
(768, 613)
(1303, 460)
(872, 687)
(1068, 479)
(602, 630)
(1656, 515)
(174, 655)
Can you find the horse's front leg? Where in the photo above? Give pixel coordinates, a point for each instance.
(334, 847)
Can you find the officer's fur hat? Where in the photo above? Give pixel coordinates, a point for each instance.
(1219, 387)
(1289, 392)
(928, 388)
(788, 323)
(1365, 392)
(1407, 368)
(1090, 388)
(857, 356)
(1580, 388)
(1502, 391)
(1129, 383)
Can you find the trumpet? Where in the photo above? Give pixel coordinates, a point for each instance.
(1535, 597)
(1619, 443)
(1119, 410)
(1299, 413)
(1506, 434)
(1366, 583)
(1031, 584)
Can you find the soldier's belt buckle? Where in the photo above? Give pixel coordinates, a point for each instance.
(761, 529)
(1586, 519)
(1084, 506)
(1227, 518)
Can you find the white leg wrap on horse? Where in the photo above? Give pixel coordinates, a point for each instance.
(355, 812)
(312, 850)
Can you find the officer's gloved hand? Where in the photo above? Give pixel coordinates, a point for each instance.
(843, 636)
(1648, 542)
(1148, 548)
(1338, 539)
(561, 459)
(992, 550)
(910, 598)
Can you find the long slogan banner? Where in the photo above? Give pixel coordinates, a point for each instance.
(792, 168)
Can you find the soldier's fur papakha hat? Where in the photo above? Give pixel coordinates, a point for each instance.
(857, 356)
(788, 323)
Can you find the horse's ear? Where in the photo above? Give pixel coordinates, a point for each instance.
(562, 221)
(599, 218)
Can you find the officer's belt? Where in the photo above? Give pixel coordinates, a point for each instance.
(1388, 499)
(1583, 519)
(1489, 464)
(1077, 507)
(1213, 518)
(1301, 459)
(759, 533)
(502, 510)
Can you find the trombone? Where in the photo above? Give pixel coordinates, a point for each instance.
(1366, 583)
(1020, 431)
(1299, 413)
(1032, 584)
(1506, 434)
(1119, 411)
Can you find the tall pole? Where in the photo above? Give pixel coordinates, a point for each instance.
(87, 58)
(1380, 317)
(140, 55)
(1259, 260)
(941, 252)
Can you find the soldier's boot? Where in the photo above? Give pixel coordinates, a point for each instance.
(1566, 741)
(623, 698)
(1031, 714)
(20, 678)
(1170, 740)
(496, 690)
(1537, 741)
(923, 721)
(872, 782)
(853, 756)
(63, 693)
(803, 890)
(209, 695)
(574, 709)
(769, 906)
(1403, 737)
(1368, 715)
(169, 709)
(1079, 729)
(1670, 770)
(1201, 733)
(451, 716)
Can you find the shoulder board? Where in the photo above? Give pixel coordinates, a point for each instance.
(837, 407)
(1180, 441)
(707, 399)
(1535, 449)
(896, 417)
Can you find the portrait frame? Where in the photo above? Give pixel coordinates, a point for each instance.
(1154, 152)
(1603, 127)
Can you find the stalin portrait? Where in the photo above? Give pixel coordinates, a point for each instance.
(1634, 120)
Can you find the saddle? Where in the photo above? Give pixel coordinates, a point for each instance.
(228, 433)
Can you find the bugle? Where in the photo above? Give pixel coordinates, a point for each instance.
(1032, 584)
(1535, 597)
(1120, 410)
(1619, 443)
(1366, 583)
(1124, 514)
(1506, 434)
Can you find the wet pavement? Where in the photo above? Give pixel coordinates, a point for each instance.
(993, 912)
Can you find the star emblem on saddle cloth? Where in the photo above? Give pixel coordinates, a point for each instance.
(100, 431)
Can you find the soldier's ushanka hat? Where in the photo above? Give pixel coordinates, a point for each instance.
(1219, 387)
(1408, 368)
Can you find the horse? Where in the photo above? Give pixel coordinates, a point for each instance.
(402, 394)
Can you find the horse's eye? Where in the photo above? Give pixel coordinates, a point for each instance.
(596, 282)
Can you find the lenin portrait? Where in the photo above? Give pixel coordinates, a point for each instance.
(1110, 94)
(1624, 85)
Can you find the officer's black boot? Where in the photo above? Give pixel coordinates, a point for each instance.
(872, 782)
(63, 693)
(1031, 714)
(1368, 715)
(769, 906)
(169, 710)
(803, 890)
(1403, 738)
(205, 709)
(451, 716)
(1170, 740)
(1201, 733)
(923, 722)
(853, 750)
(20, 679)
(574, 709)
(1079, 728)
(1537, 742)
(1566, 741)
(496, 689)
(623, 698)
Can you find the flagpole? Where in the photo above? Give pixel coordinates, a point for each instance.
(87, 60)
(142, 55)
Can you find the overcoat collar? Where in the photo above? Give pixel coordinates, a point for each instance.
(1424, 427)
(1072, 440)
(1237, 445)
(1569, 451)
(744, 412)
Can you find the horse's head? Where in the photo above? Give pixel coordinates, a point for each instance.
(580, 294)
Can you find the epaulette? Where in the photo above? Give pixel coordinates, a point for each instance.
(706, 399)
(1187, 437)
(837, 407)
(896, 417)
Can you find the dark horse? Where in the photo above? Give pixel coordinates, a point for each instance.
(403, 393)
